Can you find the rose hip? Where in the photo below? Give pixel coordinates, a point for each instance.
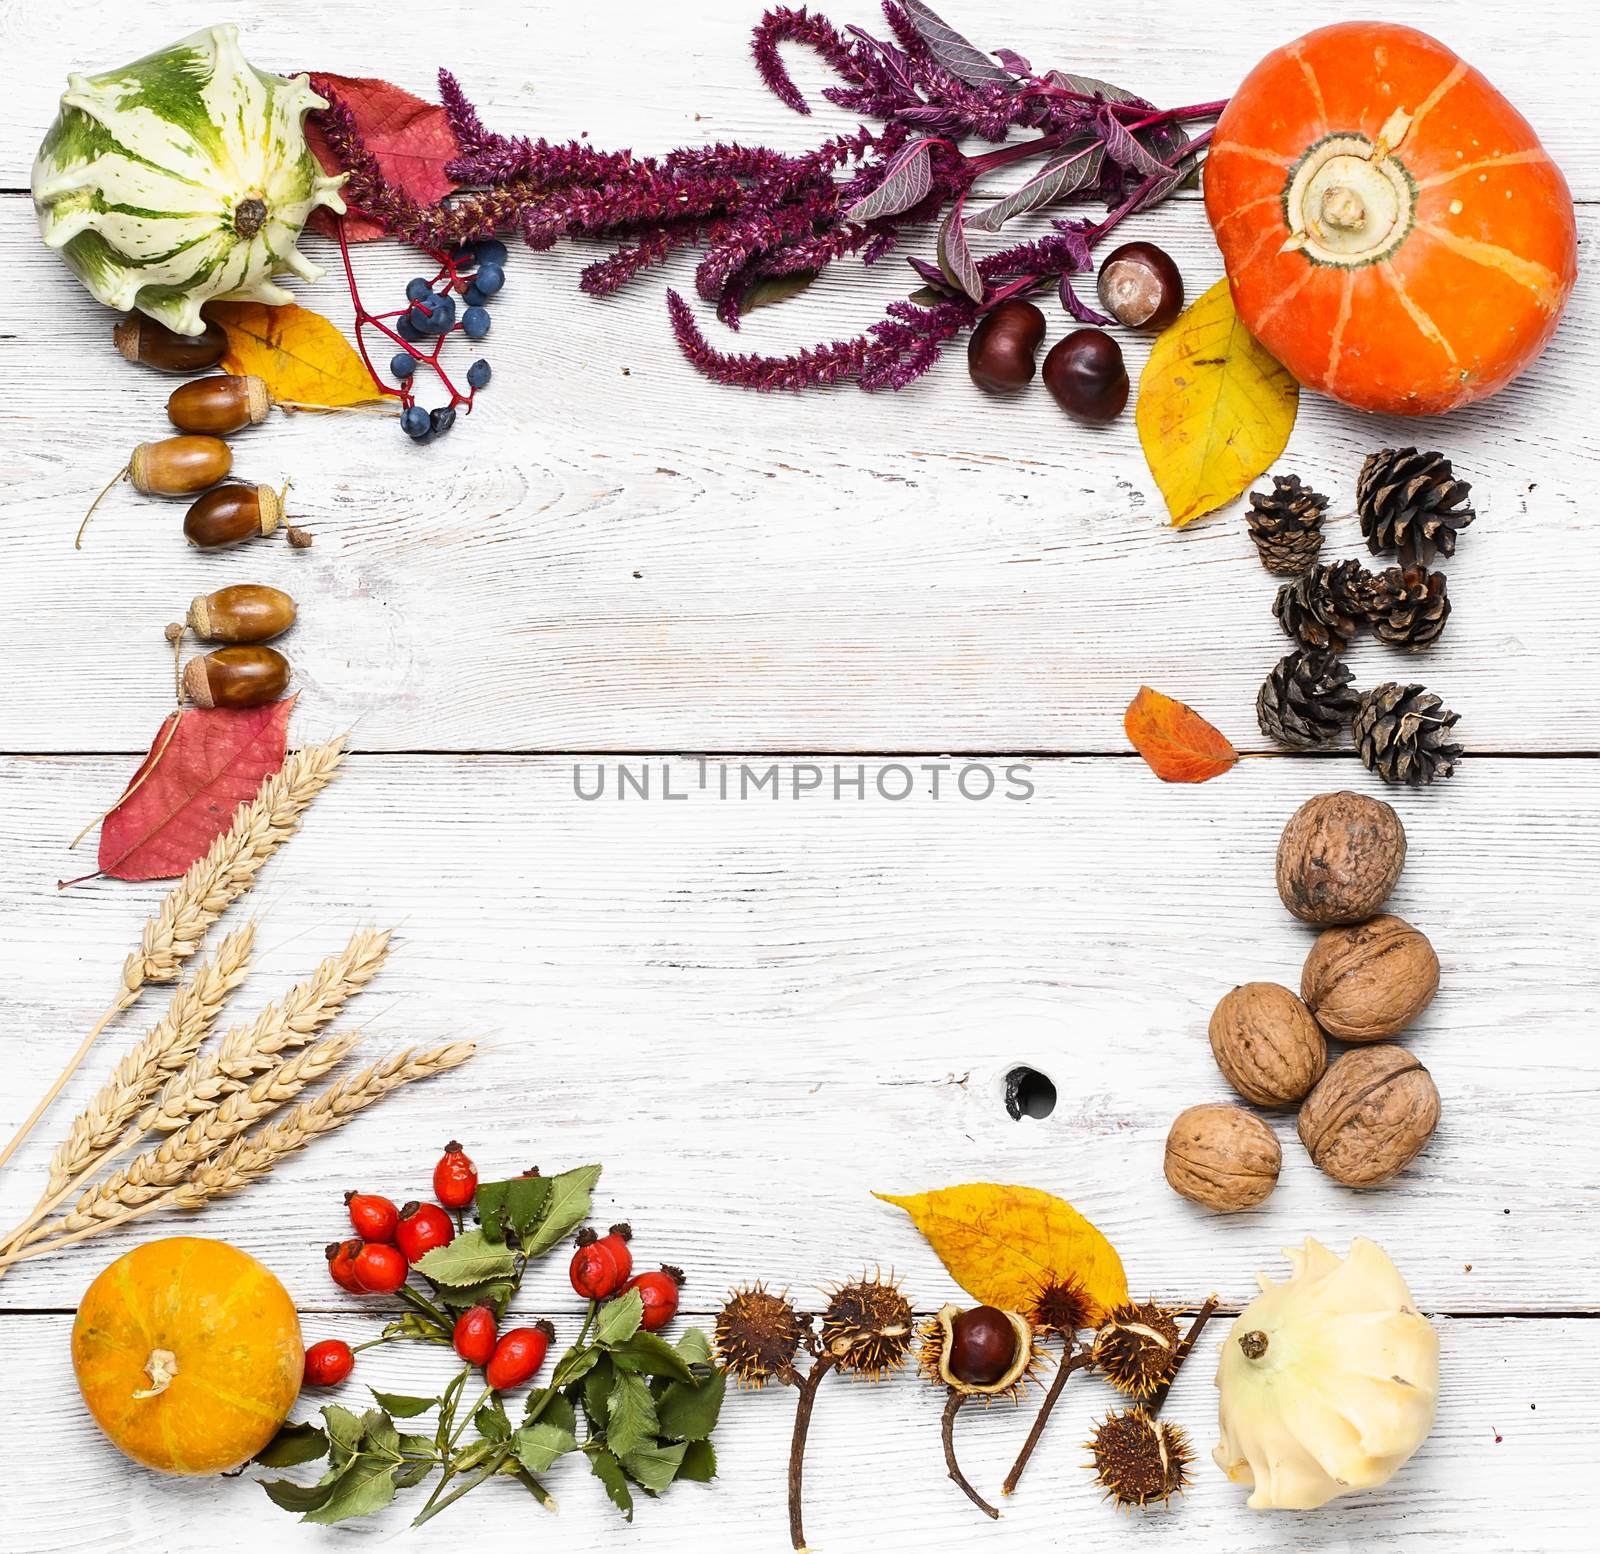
(601, 1265)
(380, 1269)
(455, 1178)
(474, 1336)
(422, 1227)
(328, 1363)
(658, 1292)
(374, 1217)
(518, 1356)
(341, 1257)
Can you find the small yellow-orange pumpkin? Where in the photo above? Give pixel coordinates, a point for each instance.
(1393, 231)
(188, 1353)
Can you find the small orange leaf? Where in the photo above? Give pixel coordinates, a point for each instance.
(298, 354)
(1003, 1245)
(1177, 743)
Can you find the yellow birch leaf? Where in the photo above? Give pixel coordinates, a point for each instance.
(298, 354)
(1003, 1245)
(1214, 408)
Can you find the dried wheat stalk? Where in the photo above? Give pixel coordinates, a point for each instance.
(211, 885)
(248, 1050)
(253, 1155)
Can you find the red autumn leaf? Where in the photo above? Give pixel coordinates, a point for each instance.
(1177, 743)
(185, 792)
(411, 139)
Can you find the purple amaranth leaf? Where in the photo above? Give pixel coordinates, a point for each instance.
(931, 273)
(1013, 62)
(907, 178)
(1059, 178)
(1160, 188)
(1077, 307)
(1089, 86)
(953, 52)
(1123, 147)
(955, 257)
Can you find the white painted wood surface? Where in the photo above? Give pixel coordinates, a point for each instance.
(754, 1011)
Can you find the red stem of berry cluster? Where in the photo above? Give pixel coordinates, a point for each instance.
(364, 319)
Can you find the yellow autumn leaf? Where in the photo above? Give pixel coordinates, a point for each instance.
(1003, 1245)
(1214, 408)
(298, 354)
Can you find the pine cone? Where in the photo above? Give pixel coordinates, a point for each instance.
(1306, 701)
(1323, 607)
(1286, 525)
(1407, 607)
(1411, 503)
(1403, 734)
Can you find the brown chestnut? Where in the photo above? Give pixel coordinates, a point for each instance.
(219, 404)
(1140, 286)
(1085, 374)
(236, 677)
(242, 612)
(140, 338)
(1000, 352)
(983, 1346)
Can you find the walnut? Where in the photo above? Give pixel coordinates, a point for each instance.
(1369, 1116)
(1369, 982)
(1223, 1157)
(1339, 857)
(1266, 1044)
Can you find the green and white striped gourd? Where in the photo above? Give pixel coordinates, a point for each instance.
(182, 177)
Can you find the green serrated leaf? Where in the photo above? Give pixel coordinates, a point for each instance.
(596, 1389)
(619, 1319)
(630, 1414)
(367, 1487)
(608, 1469)
(295, 1497)
(651, 1355)
(565, 1209)
(448, 1404)
(775, 288)
(575, 1364)
(470, 1259)
(517, 1204)
(541, 1443)
(292, 1445)
(695, 1347)
(491, 1420)
(412, 1473)
(381, 1439)
(402, 1407)
(699, 1462)
(493, 1293)
(689, 1411)
(655, 1465)
(415, 1445)
(344, 1430)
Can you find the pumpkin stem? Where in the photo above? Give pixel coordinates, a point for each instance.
(1342, 208)
(161, 1367)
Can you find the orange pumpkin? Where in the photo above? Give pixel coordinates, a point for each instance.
(1393, 231)
(188, 1353)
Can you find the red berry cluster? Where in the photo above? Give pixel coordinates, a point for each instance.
(602, 1267)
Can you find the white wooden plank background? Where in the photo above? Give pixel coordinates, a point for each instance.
(754, 1012)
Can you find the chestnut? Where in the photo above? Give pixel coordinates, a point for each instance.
(1140, 286)
(1084, 372)
(983, 1346)
(1000, 352)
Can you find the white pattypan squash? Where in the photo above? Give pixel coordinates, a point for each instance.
(181, 177)
(1328, 1381)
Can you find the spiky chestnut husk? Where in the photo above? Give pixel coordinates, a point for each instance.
(1136, 1349)
(757, 1334)
(1062, 1307)
(1139, 1461)
(939, 1357)
(868, 1327)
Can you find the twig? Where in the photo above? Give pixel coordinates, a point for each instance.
(952, 1466)
(1153, 1407)
(807, 1386)
(1068, 1364)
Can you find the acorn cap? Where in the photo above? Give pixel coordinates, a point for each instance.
(125, 336)
(200, 615)
(139, 467)
(256, 398)
(269, 506)
(195, 684)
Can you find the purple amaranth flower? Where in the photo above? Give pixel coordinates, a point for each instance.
(783, 24)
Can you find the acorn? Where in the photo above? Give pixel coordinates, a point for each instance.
(219, 404)
(236, 677)
(175, 466)
(242, 612)
(139, 338)
(1139, 1461)
(981, 1351)
(758, 1334)
(868, 1327)
(1136, 1349)
(231, 514)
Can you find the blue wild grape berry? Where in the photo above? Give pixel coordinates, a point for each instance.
(490, 250)
(489, 279)
(402, 364)
(416, 423)
(473, 297)
(406, 329)
(442, 419)
(417, 289)
(444, 315)
(478, 373)
(475, 322)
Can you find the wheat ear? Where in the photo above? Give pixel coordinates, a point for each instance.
(210, 886)
(251, 1157)
(161, 1169)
